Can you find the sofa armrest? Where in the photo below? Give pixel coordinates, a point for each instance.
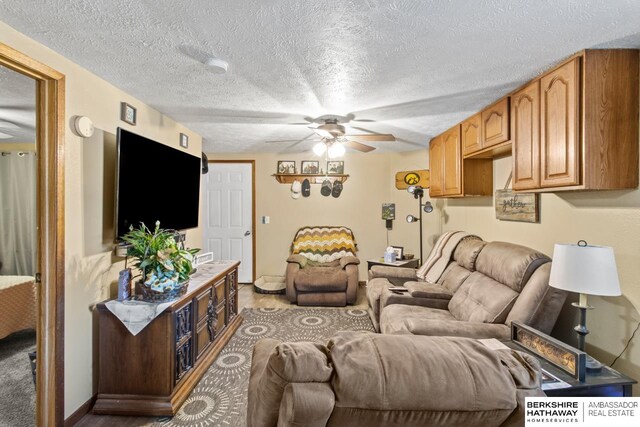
(348, 260)
(428, 290)
(306, 404)
(385, 272)
(444, 328)
(298, 259)
(259, 415)
(388, 298)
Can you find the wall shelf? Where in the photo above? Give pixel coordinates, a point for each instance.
(314, 178)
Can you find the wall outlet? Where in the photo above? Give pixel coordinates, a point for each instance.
(265, 219)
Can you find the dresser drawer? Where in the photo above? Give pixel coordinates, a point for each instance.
(184, 360)
(202, 302)
(203, 338)
(183, 323)
(220, 292)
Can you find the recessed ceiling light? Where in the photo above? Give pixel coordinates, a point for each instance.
(216, 65)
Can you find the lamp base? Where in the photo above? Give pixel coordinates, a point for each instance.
(593, 366)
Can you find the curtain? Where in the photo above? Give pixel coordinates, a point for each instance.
(18, 213)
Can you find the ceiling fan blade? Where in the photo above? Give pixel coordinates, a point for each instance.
(357, 146)
(363, 120)
(376, 137)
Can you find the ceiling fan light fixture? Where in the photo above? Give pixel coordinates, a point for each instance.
(319, 148)
(336, 150)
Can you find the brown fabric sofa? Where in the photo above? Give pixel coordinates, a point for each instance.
(363, 379)
(485, 287)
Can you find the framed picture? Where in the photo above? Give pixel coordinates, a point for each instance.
(128, 113)
(399, 250)
(335, 167)
(388, 211)
(286, 167)
(565, 357)
(310, 166)
(184, 140)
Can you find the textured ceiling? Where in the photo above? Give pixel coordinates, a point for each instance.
(413, 67)
(17, 107)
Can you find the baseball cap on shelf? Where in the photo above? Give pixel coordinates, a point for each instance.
(295, 189)
(306, 187)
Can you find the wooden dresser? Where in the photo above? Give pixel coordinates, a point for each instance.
(153, 372)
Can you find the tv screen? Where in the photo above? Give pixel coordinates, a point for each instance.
(155, 182)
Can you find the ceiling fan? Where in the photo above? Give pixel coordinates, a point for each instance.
(330, 128)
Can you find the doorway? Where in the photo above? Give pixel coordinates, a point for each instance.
(47, 263)
(229, 214)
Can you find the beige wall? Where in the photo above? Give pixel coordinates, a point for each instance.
(90, 273)
(359, 206)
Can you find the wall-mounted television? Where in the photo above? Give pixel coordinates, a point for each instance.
(155, 182)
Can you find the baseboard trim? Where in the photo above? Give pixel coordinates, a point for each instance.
(80, 412)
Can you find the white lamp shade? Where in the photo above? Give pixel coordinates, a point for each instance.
(336, 150)
(319, 148)
(589, 270)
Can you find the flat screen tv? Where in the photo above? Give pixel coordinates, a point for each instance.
(155, 182)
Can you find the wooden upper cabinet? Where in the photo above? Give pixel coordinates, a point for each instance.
(452, 162)
(495, 123)
(559, 126)
(471, 141)
(436, 162)
(525, 128)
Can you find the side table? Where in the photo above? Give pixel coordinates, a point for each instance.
(407, 263)
(606, 383)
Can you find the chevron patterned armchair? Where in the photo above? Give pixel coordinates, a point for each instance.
(323, 268)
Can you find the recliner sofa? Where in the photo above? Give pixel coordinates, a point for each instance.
(483, 289)
(363, 379)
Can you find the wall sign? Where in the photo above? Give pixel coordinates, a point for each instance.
(418, 177)
(520, 207)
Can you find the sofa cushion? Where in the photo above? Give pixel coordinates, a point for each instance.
(467, 252)
(397, 318)
(431, 374)
(509, 264)
(453, 277)
(321, 279)
(482, 299)
(427, 290)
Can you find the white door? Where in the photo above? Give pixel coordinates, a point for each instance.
(228, 212)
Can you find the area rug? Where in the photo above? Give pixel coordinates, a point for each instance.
(220, 399)
(17, 391)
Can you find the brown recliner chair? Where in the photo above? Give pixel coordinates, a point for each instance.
(323, 267)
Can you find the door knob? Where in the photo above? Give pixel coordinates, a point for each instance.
(247, 233)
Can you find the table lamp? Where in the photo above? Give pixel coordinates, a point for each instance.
(587, 270)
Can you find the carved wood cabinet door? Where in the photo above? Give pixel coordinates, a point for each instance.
(525, 118)
(436, 163)
(471, 141)
(559, 126)
(452, 162)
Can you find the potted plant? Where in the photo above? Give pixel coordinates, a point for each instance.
(164, 264)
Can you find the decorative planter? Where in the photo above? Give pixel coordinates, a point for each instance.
(149, 295)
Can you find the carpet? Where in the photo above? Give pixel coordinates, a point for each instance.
(220, 399)
(17, 391)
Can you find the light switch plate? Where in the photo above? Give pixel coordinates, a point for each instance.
(265, 219)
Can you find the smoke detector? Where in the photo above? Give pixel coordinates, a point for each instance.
(216, 65)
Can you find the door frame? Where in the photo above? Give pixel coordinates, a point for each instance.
(50, 113)
(253, 209)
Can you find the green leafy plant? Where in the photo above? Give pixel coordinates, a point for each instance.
(162, 262)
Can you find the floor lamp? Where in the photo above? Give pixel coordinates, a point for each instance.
(418, 193)
(587, 270)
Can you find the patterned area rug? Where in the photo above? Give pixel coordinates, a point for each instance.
(220, 399)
